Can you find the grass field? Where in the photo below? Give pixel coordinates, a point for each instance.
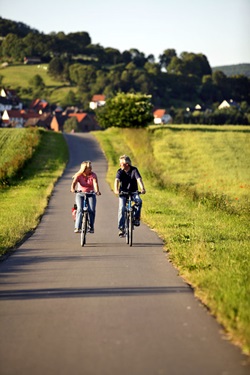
(16, 76)
(198, 194)
(25, 192)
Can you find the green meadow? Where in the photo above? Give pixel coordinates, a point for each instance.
(31, 161)
(198, 201)
(19, 76)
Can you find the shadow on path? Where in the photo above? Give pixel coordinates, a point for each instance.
(89, 292)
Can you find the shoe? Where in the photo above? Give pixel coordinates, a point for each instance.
(77, 231)
(91, 230)
(121, 233)
(137, 223)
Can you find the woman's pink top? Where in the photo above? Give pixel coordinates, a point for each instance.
(85, 183)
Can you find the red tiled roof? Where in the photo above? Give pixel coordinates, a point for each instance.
(159, 113)
(98, 98)
(34, 103)
(79, 116)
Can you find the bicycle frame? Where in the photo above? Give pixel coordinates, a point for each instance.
(85, 216)
(129, 216)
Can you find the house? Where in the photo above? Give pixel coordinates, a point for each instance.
(9, 100)
(41, 121)
(226, 104)
(57, 122)
(19, 118)
(162, 117)
(32, 60)
(40, 106)
(71, 109)
(86, 121)
(97, 101)
(5, 104)
(12, 118)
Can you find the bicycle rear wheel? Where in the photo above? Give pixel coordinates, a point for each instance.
(130, 228)
(127, 228)
(84, 228)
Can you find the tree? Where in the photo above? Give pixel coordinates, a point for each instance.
(70, 100)
(70, 125)
(125, 111)
(37, 82)
(83, 76)
(56, 68)
(166, 57)
(112, 56)
(12, 47)
(37, 85)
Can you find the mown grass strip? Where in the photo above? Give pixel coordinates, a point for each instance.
(17, 147)
(23, 202)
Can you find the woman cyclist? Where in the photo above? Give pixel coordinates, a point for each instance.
(85, 180)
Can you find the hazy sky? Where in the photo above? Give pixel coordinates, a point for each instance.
(220, 29)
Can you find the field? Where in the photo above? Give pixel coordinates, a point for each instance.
(16, 76)
(198, 201)
(26, 186)
(13, 159)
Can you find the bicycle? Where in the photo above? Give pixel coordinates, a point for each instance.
(129, 215)
(85, 216)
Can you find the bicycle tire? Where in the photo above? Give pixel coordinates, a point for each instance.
(127, 228)
(84, 228)
(130, 228)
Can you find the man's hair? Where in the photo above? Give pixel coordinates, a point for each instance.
(126, 158)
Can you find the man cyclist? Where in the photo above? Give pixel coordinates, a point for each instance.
(128, 179)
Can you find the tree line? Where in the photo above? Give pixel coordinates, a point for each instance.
(173, 82)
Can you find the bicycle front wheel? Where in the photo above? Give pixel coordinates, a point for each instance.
(84, 228)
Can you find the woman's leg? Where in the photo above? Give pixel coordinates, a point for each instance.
(92, 209)
(79, 202)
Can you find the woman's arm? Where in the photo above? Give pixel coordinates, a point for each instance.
(96, 187)
(116, 186)
(73, 185)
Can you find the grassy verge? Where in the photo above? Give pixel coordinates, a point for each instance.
(30, 188)
(197, 200)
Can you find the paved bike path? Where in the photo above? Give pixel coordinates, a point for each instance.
(106, 308)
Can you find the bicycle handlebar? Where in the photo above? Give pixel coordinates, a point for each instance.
(85, 192)
(129, 193)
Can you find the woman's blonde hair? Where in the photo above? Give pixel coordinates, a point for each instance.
(84, 165)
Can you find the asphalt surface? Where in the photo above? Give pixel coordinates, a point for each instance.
(106, 308)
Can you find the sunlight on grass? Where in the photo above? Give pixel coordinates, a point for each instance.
(193, 176)
(31, 189)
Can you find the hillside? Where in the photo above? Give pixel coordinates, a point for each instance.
(233, 70)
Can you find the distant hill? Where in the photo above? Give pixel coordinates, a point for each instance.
(233, 70)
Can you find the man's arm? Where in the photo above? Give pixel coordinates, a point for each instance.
(141, 185)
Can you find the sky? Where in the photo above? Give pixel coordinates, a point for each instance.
(219, 29)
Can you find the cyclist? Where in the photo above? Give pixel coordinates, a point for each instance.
(86, 181)
(128, 179)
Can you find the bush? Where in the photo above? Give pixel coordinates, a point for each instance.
(126, 111)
